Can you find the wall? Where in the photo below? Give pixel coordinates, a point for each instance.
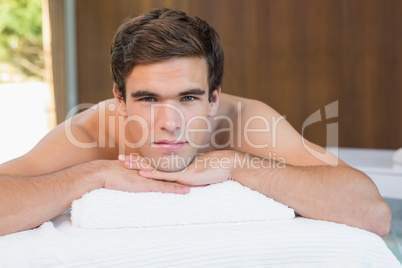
(297, 56)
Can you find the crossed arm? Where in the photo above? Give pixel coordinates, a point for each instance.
(339, 194)
(28, 201)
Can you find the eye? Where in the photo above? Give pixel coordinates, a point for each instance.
(148, 99)
(188, 98)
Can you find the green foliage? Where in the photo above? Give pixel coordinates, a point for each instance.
(21, 35)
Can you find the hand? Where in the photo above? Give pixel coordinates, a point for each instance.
(123, 179)
(209, 168)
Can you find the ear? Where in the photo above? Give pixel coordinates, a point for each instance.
(121, 104)
(214, 104)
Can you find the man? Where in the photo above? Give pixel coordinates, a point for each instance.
(171, 129)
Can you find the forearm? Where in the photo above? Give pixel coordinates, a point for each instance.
(26, 202)
(338, 194)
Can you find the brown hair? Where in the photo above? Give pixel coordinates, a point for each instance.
(162, 34)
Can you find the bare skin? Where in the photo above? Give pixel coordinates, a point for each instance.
(81, 154)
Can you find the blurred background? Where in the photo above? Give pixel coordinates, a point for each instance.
(25, 100)
(297, 56)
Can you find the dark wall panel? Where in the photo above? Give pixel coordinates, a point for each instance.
(297, 56)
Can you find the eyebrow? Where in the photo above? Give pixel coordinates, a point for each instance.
(146, 93)
(143, 93)
(195, 91)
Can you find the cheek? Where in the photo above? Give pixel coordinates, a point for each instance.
(138, 125)
(197, 127)
(136, 132)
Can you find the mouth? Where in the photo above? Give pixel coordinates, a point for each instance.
(169, 145)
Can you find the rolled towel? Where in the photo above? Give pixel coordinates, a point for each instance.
(225, 202)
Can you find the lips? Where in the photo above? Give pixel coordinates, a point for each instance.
(169, 145)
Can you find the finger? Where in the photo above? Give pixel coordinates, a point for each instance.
(136, 163)
(130, 157)
(167, 187)
(202, 185)
(159, 175)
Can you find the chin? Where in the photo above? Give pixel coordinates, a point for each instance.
(171, 162)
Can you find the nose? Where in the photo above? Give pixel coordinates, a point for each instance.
(168, 118)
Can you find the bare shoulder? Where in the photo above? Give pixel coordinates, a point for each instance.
(246, 107)
(248, 112)
(261, 130)
(74, 141)
(94, 121)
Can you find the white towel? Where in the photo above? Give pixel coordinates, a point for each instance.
(298, 242)
(217, 203)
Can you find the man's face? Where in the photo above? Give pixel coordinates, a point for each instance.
(167, 106)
